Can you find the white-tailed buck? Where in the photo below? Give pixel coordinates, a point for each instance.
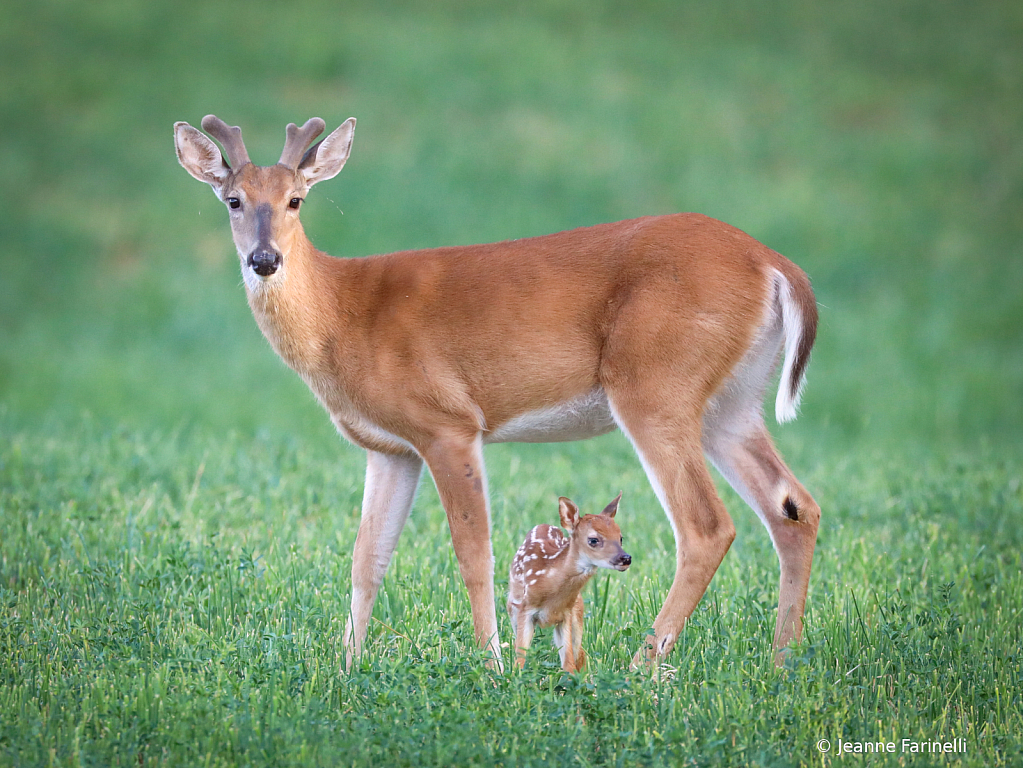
(549, 571)
(668, 327)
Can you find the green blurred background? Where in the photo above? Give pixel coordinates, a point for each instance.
(878, 144)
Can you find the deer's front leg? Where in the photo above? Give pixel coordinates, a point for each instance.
(391, 483)
(457, 467)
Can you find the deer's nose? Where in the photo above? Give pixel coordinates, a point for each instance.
(264, 263)
(623, 561)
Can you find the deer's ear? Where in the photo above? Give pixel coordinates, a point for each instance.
(569, 513)
(326, 159)
(612, 509)
(200, 156)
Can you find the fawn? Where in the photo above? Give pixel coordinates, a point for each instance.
(548, 574)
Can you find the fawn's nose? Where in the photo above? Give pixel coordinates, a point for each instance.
(622, 561)
(264, 262)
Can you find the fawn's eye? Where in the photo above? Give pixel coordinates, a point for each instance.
(234, 202)
(295, 202)
(593, 541)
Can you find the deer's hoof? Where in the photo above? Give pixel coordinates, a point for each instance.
(653, 651)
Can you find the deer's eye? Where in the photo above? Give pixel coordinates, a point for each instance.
(295, 202)
(593, 541)
(234, 203)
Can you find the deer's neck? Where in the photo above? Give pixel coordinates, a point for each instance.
(297, 307)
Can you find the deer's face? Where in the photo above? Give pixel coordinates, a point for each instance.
(263, 206)
(263, 202)
(599, 540)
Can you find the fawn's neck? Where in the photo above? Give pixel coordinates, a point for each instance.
(571, 566)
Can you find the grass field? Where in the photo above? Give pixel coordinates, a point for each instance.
(177, 515)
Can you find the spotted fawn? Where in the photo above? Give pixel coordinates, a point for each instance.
(548, 574)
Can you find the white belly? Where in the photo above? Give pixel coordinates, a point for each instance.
(586, 416)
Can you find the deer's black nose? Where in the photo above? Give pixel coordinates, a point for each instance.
(264, 263)
(623, 561)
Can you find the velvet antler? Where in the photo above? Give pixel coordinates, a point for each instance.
(298, 140)
(230, 138)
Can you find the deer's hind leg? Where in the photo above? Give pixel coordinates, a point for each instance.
(658, 381)
(670, 453)
(755, 470)
(736, 440)
(748, 460)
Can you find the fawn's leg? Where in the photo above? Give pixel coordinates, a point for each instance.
(456, 463)
(563, 642)
(523, 628)
(391, 483)
(577, 633)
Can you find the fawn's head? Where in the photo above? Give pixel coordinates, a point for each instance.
(263, 202)
(596, 539)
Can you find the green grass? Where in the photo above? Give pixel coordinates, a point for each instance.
(176, 598)
(177, 515)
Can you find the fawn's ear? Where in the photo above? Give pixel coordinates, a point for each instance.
(569, 513)
(611, 509)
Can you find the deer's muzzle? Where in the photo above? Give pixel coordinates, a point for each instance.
(264, 262)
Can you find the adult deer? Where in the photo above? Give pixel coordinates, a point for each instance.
(668, 327)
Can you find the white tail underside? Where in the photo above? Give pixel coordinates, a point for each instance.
(786, 404)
